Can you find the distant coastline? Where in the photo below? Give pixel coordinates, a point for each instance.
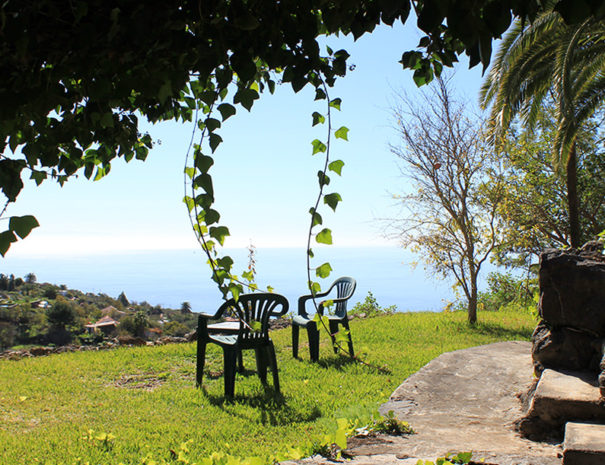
(170, 277)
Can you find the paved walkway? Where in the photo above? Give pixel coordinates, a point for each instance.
(461, 401)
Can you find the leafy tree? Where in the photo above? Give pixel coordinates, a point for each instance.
(544, 58)
(450, 215)
(61, 314)
(532, 183)
(185, 307)
(31, 278)
(123, 299)
(174, 328)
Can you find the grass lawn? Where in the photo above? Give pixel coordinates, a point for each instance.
(146, 399)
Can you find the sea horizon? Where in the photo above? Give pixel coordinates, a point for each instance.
(170, 277)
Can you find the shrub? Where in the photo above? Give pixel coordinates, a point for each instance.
(369, 307)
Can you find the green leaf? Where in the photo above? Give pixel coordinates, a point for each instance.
(245, 97)
(219, 233)
(310, 253)
(38, 176)
(226, 110)
(165, 92)
(323, 271)
(6, 238)
(314, 287)
(202, 162)
(204, 181)
(190, 172)
(106, 120)
(324, 236)
(215, 140)
(225, 262)
(235, 290)
(336, 166)
(336, 103)
(316, 217)
(332, 200)
(318, 118)
(342, 133)
(212, 124)
(318, 146)
(23, 225)
(189, 202)
(256, 326)
(211, 217)
(341, 439)
(323, 179)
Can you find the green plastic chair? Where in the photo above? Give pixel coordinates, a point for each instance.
(345, 287)
(253, 312)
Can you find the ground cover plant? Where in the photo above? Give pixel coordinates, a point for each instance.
(139, 405)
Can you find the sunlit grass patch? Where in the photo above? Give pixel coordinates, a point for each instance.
(122, 405)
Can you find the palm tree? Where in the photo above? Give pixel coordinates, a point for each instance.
(542, 60)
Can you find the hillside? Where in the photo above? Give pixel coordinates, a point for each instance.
(33, 313)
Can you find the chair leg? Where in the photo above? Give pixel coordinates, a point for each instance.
(230, 360)
(261, 364)
(295, 331)
(273, 362)
(201, 359)
(313, 334)
(240, 362)
(333, 331)
(345, 323)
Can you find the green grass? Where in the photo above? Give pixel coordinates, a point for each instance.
(146, 398)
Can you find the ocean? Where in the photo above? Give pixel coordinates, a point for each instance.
(170, 277)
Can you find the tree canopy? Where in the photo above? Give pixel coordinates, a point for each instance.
(76, 76)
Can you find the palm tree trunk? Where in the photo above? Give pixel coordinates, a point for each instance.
(573, 202)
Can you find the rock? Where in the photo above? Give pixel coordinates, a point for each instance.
(280, 323)
(192, 336)
(572, 307)
(38, 351)
(562, 348)
(572, 290)
(131, 341)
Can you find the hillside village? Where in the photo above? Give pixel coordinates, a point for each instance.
(33, 313)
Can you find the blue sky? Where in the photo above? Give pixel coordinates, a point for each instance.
(264, 175)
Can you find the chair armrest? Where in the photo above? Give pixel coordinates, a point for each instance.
(285, 306)
(303, 299)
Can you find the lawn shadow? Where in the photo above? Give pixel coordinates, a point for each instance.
(272, 407)
(341, 362)
(501, 332)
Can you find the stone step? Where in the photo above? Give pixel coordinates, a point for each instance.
(584, 444)
(563, 396)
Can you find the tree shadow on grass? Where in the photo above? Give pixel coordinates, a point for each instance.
(501, 332)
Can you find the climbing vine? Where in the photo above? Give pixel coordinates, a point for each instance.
(208, 102)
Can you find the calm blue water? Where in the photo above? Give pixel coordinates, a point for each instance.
(169, 278)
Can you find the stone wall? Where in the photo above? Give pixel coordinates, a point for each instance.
(572, 309)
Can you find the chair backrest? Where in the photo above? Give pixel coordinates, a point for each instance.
(252, 309)
(345, 287)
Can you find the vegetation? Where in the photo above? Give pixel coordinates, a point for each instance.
(550, 59)
(73, 105)
(370, 307)
(451, 215)
(532, 181)
(43, 313)
(130, 403)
